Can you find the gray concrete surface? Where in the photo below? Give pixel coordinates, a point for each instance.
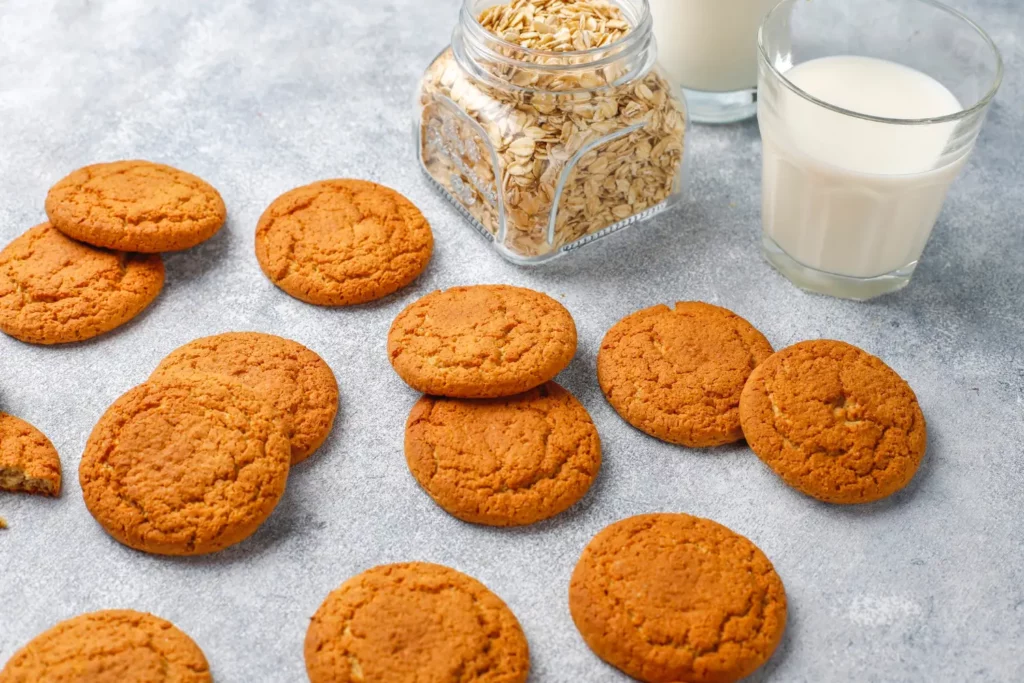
(259, 97)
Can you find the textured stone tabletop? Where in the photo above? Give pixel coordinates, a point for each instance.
(259, 97)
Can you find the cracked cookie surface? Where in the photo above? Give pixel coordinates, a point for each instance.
(342, 242)
(28, 461)
(677, 374)
(136, 206)
(674, 598)
(415, 623)
(294, 379)
(185, 466)
(834, 422)
(482, 341)
(54, 290)
(504, 461)
(111, 646)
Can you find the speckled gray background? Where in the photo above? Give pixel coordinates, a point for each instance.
(259, 97)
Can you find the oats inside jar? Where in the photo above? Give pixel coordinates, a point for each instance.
(547, 122)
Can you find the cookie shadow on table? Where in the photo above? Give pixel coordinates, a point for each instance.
(320, 465)
(567, 519)
(288, 522)
(285, 525)
(396, 300)
(772, 668)
(322, 456)
(918, 486)
(196, 263)
(400, 298)
(190, 264)
(124, 328)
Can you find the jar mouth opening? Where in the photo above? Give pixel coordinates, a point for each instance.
(640, 21)
(964, 111)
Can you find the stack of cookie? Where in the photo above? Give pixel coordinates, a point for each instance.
(195, 459)
(96, 264)
(833, 421)
(494, 441)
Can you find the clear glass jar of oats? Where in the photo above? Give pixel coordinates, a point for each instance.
(548, 123)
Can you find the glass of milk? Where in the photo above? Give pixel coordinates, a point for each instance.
(710, 48)
(868, 111)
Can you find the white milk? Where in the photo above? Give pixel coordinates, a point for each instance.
(709, 44)
(848, 196)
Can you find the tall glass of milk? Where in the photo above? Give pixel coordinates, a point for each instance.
(710, 48)
(868, 111)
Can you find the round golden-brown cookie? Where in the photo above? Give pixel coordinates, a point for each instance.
(185, 466)
(136, 206)
(111, 646)
(834, 422)
(670, 597)
(677, 374)
(342, 242)
(504, 461)
(294, 379)
(415, 623)
(482, 341)
(28, 461)
(54, 290)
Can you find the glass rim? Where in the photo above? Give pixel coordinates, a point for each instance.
(956, 116)
(631, 37)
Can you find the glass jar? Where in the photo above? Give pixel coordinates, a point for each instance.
(546, 151)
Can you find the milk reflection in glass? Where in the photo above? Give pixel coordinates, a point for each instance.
(849, 196)
(709, 45)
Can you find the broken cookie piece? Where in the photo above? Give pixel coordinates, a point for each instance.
(28, 461)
